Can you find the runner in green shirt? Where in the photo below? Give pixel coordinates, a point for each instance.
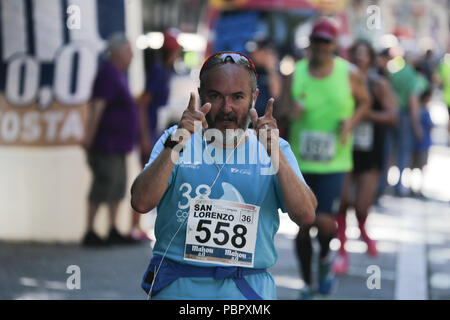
(332, 98)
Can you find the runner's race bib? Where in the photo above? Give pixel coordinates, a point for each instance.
(363, 136)
(317, 146)
(221, 232)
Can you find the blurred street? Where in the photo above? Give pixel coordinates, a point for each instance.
(414, 259)
(88, 87)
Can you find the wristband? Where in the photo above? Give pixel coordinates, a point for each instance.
(169, 143)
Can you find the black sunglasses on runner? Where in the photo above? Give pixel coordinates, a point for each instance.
(224, 57)
(320, 40)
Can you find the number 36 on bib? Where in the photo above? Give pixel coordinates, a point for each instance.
(221, 232)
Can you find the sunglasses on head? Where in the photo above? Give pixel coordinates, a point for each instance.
(228, 56)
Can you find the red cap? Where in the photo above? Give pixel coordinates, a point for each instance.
(324, 29)
(170, 42)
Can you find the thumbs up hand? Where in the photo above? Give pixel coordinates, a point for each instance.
(266, 126)
(193, 116)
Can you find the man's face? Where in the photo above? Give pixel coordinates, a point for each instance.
(322, 49)
(125, 55)
(362, 57)
(227, 87)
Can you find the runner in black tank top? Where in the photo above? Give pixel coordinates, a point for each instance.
(369, 136)
(367, 154)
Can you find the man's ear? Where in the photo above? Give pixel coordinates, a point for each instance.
(255, 96)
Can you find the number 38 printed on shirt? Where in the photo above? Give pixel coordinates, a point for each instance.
(221, 232)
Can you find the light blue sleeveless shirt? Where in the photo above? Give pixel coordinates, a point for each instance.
(247, 177)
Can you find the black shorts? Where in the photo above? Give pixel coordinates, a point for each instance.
(109, 177)
(365, 161)
(327, 188)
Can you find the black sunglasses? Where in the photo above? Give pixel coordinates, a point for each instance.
(320, 40)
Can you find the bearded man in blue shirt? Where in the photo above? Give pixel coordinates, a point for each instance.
(217, 187)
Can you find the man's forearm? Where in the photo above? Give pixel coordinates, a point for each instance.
(362, 99)
(361, 111)
(151, 184)
(299, 200)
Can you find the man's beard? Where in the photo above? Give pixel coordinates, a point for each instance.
(233, 137)
(221, 116)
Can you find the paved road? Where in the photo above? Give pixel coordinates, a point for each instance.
(406, 252)
(37, 271)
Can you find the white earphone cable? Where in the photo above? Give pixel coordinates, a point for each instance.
(149, 295)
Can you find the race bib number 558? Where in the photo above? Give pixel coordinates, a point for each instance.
(221, 232)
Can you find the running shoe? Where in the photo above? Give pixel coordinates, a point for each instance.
(371, 244)
(91, 239)
(327, 278)
(340, 264)
(306, 293)
(139, 235)
(115, 237)
(371, 247)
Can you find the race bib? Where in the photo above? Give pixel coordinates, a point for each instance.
(221, 232)
(317, 146)
(363, 136)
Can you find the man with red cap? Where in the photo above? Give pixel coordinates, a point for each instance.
(331, 99)
(155, 96)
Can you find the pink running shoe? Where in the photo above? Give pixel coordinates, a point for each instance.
(371, 247)
(139, 235)
(371, 244)
(340, 264)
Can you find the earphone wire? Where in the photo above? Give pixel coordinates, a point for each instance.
(149, 295)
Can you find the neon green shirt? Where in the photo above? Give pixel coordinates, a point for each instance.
(315, 137)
